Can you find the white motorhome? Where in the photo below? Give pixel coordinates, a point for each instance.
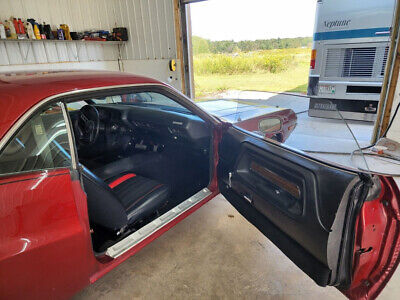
(350, 49)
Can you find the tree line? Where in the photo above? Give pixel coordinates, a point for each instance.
(201, 45)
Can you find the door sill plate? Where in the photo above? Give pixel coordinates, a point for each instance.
(135, 238)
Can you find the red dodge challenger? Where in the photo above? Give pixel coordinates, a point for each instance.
(96, 165)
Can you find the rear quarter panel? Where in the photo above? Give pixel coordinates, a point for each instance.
(287, 116)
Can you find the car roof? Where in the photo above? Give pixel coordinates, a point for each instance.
(19, 91)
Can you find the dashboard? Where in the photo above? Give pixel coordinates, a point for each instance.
(122, 127)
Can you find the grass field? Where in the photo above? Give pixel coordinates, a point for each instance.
(280, 70)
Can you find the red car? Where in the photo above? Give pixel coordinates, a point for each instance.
(268, 121)
(96, 165)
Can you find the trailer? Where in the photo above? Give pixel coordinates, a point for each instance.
(350, 50)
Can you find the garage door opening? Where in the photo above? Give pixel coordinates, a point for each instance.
(270, 69)
(260, 46)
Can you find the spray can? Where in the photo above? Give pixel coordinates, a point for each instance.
(2, 31)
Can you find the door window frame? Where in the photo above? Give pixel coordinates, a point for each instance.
(72, 96)
(19, 125)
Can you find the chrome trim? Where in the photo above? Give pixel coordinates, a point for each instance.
(230, 174)
(33, 109)
(276, 131)
(138, 236)
(247, 199)
(70, 136)
(34, 171)
(346, 114)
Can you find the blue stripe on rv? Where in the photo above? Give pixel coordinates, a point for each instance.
(351, 34)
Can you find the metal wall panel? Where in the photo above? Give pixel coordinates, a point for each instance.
(150, 24)
(151, 28)
(78, 14)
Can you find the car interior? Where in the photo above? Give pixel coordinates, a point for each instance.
(141, 154)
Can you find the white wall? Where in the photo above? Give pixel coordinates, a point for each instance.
(78, 14)
(152, 42)
(158, 69)
(151, 26)
(151, 31)
(46, 52)
(90, 65)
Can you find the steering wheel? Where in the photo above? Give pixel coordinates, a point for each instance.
(88, 125)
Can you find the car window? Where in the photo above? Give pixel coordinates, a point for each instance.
(285, 119)
(76, 105)
(146, 99)
(42, 143)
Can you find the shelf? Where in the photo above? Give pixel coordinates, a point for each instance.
(17, 52)
(63, 41)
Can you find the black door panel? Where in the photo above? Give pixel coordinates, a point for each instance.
(318, 271)
(266, 177)
(298, 203)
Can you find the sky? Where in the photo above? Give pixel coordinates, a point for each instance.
(252, 19)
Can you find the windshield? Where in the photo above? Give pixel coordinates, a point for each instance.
(285, 119)
(143, 99)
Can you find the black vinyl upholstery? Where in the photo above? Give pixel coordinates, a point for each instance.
(126, 203)
(139, 195)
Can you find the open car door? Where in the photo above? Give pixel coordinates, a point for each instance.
(341, 227)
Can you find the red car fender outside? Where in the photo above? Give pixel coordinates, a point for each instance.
(45, 247)
(377, 243)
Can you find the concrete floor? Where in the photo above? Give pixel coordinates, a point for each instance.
(214, 253)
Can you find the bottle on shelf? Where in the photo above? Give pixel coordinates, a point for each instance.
(16, 26)
(13, 32)
(67, 33)
(47, 31)
(36, 31)
(29, 31)
(21, 27)
(42, 34)
(60, 34)
(7, 29)
(3, 35)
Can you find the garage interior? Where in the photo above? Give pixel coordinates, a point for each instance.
(151, 44)
(215, 253)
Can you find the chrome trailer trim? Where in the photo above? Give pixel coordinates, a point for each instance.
(138, 236)
(346, 114)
